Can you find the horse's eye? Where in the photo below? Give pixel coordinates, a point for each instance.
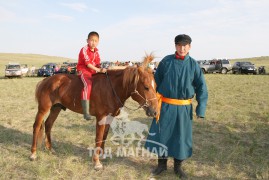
(146, 88)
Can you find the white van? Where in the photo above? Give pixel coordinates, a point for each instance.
(13, 70)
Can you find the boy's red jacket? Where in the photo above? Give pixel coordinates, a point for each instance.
(86, 56)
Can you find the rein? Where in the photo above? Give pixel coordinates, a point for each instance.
(146, 104)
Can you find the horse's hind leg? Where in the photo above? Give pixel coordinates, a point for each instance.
(37, 130)
(54, 112)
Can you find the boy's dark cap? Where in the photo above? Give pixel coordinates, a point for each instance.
(182, 39)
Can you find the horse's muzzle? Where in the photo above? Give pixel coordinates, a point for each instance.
(151, 112)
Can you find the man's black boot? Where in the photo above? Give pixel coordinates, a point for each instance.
(162, 166)
(177, 168)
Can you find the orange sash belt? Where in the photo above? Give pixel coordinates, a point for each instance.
(180, 102)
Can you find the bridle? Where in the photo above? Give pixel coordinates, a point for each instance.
(146, 104)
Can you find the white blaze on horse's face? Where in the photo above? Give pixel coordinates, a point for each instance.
(153, 84)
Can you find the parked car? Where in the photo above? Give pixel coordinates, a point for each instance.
(244, 68)
(71, 68)
(67, 68)
(13, 70)
(63, 69)
(47, 70)
(24, 69)
(106, 64)
(216, 66)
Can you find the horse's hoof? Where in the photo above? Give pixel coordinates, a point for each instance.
(98, 166)
(33, 157)
(52, 151)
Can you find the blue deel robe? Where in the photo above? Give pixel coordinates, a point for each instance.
(177, 79)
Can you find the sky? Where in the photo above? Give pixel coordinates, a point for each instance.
(130, 29)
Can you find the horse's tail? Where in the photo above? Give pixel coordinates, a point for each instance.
(38, 94)
(38, 90)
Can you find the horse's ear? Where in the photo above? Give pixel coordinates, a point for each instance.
(130, 74)
(147, 59)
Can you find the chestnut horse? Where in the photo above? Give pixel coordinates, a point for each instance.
(109, 93)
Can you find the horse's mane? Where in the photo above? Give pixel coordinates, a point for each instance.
(147, 59)
(131, 73)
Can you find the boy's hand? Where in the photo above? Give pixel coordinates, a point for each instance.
(103, 70)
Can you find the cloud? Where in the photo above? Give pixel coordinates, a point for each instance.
(135, 24)
(60, 17)
(10, 16)
(94, 10)
(76, 6)
(6, 15)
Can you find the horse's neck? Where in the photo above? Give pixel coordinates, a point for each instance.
(121, 92)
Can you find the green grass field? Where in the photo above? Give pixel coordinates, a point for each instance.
(232, 143)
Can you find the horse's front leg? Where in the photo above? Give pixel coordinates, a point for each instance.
(100, 131)
(104, 139)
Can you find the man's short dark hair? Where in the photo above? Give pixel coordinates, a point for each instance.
(183, 39)
(93, 33)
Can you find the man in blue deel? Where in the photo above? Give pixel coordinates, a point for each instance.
(178, 78)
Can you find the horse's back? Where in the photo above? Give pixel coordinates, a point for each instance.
(55, 81)
(58, 88)
(65, 89)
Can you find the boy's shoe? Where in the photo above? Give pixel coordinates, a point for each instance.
(85, 109)
(88, 117)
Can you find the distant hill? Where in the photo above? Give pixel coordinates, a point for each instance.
(258, 61)
(31, 59)
(38, 60)
(35, 60)
(262, 58)
(253, 58)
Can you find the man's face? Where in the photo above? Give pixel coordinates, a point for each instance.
(93, 42)
(183, 50)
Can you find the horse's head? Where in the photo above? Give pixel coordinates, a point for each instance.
(142, 87)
